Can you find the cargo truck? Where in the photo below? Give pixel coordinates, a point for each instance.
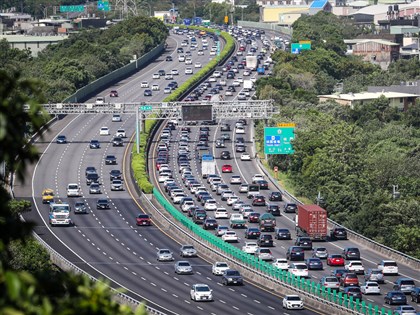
(208, 165)
(311, 221)
(251, 63)
(237, 220)
(267, 222)
(59, 214)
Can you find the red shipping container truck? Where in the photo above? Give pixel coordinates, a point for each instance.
(311, 221)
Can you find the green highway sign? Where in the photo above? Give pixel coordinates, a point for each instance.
(146, 108)
(277, 140)
(297, 47)
(103, 5)
(72, 8)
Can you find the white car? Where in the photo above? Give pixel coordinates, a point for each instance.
(212, 53)
(292, 302)
(242, 96)
(221, 230)
(223, 82)
(181, 58)
(201, 292)
(230, 236)
(100, 100)
(188, 61)
(197, 65)
(163, 177)
(243, 188)
(247, 73)
(120, 133)
(177, 198)
(299, 269)
(236, 83)
(200, 53)
(370, 287)
(155, 87)
(355, 266)
(116, 118)
(221, 213)
(210, 205)
(236, 179)
(231, 200)
(257, 177)
(239, 130)
(217, 74)
(104, 131)
(245, 157)
(219, 267)
(405, 310)
(174, 72)
(156, 76)
(264, 253)
(212, 79)
(188, 71)
(250, 247)
(281, 263)
(167, 90)
(187, 205)
(144, 84)
(388, 267)
(73, 190)
(168, 76)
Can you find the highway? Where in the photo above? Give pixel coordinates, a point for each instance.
(106, 242)
(246, 169)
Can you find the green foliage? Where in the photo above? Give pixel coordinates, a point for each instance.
(29, 256)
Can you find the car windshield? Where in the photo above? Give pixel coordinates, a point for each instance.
(232, 273)
(79, 204)
(321, 249)
(184, 264)
(73, 186)
(188, 247)
(203, 289)
(222, 265)
(390, 264)
(293, 298)
(335, 256)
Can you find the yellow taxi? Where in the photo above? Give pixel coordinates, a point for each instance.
(47, 195)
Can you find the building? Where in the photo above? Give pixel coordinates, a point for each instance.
(274, 14)
(320, 5)
(34, 43)
(399, 100)
(410, 87)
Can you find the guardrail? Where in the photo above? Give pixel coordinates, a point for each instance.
(66, 265)
(390, 253)
(266, 26)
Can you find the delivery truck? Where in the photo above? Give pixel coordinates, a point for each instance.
(208, 165)
(311, 221)
(251, 63)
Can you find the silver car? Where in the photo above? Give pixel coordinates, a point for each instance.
(164, 255)
(320, 252)
(188, 251)
(183, 267)
(117, 184)
(94, 188)
(80, 207)
(330, 282)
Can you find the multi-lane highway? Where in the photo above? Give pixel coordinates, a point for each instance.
(107, 242)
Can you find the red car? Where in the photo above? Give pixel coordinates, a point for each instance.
(227, 168)
(143, 219)
(335, 260)
(254, 217)
(113, 93)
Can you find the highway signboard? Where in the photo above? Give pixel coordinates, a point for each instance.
(277, 140)
(187, 21)
(197, 112)
(298, 47)
(103, 5)
(72, 8)
(146, 108)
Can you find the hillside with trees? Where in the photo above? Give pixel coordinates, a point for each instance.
(353, 157)
(83, 57)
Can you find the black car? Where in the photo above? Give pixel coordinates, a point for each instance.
(230, 75)
(290, 208)
(351, 253)
(295, 253)
(275, 196)
(395, 297)
(338, 233)
(94, 144)
(210, 224)
(283, 234)
(225, 155)
(90, 170)
(110, 159)
(240, 140)
(304, 242)
(92, 178)
(232, 276)
(265, 240)
(169, 58)
(262, 183)
(314, 264)
(415, 295)
(220, 143)
(161, 72)
(102, 204)
(354, 292)
(117, 142)
(147, 92)
(61, 139)
(273, 209)
(252, 233)
(258, 201)
(115, 174)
